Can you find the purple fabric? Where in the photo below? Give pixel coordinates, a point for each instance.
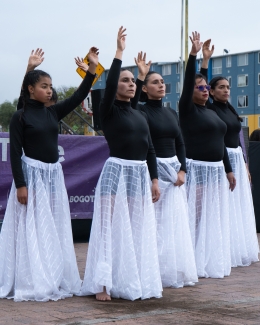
(82, 159)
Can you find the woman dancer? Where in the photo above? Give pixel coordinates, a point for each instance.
(207, 187)
(122, 259)
(243, 238)
(37, 258)
(176, 255)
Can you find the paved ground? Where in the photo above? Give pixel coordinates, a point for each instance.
(234, 300)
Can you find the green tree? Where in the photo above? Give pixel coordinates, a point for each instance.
(72, 119)
(7, 110)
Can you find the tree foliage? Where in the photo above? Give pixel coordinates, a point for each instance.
(7, 110)
(72, 119)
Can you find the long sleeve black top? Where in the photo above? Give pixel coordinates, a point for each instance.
(231, 138)
(125, 128)
(203, 131)
(35, 130)
(165, 131)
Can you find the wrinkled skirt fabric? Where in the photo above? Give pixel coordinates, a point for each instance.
(207, 195)
(176, 254)
(122, 253)
(37, 257)
(244, 243)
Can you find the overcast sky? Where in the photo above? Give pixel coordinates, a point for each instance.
(65, 29)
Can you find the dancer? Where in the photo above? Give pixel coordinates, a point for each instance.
(176, 255)
(37, 258)
(207, 186)
(122, 259)
(243, 237)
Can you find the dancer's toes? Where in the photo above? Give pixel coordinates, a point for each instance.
(103, 296)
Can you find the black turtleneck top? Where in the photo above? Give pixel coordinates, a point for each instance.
(233, 124)
(203, 131)
(125, 128)
(165, 131)
(35, 129)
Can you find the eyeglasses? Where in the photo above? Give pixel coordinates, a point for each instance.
(202, 88)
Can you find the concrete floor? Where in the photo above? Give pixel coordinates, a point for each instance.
(234, 300)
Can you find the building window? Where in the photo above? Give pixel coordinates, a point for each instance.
(177, 106)
(217, 66)
(199, 65)
(167, 104)
(228, 61)
(229, 79)
(258, 78)
(242, 59)
(166, 70)
(178, 68)
(100, 78)
(242, 80)
(242, 101)
(177, 87)
(258, 57)
(168, 88)
(258, 100)
(245, 121)
(259, 121)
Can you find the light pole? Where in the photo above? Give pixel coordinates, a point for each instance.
(181, 57)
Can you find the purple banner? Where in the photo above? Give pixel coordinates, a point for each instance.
(82, 159)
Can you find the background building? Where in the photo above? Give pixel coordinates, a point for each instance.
(241, 69)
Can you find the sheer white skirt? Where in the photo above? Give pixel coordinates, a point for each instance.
(122, 253)
(37, 258)
(244, 243)
(207, 194)
(176, 254)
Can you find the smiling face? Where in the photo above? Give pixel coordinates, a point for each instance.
(154, 87)
(126, 86)
(42, 90)
(220, 91)
(200, 97)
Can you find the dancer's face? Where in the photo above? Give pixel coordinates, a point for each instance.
(221, 91)
(42, 90)
(200, 97)
(126, 86)
(155, 87)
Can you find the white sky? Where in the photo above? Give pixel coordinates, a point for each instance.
(65, 29)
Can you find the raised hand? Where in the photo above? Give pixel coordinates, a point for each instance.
(196, 43)
(35, 59)
(143, 68)
(81, 64)
(121, 39)
(93, 56)
(207, 52)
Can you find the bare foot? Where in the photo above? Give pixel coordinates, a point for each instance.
(103, 296)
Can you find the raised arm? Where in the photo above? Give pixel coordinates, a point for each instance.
(143, 69)
(66, 106)
(35, 59)
(113, 76)
(186, 104)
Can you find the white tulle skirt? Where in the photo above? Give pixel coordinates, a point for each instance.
(176, 254)
(244, 243)
(122, 253)
(207, 194)
(37, 258)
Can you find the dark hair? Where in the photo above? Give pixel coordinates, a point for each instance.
(200, 76)
(30, 79)
(213, 83)
(255, 135)
(54, 97)
(143, 96)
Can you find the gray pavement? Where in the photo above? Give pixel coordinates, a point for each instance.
(233, 300)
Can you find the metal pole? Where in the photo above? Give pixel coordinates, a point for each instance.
(186, 31)
(181, 57)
